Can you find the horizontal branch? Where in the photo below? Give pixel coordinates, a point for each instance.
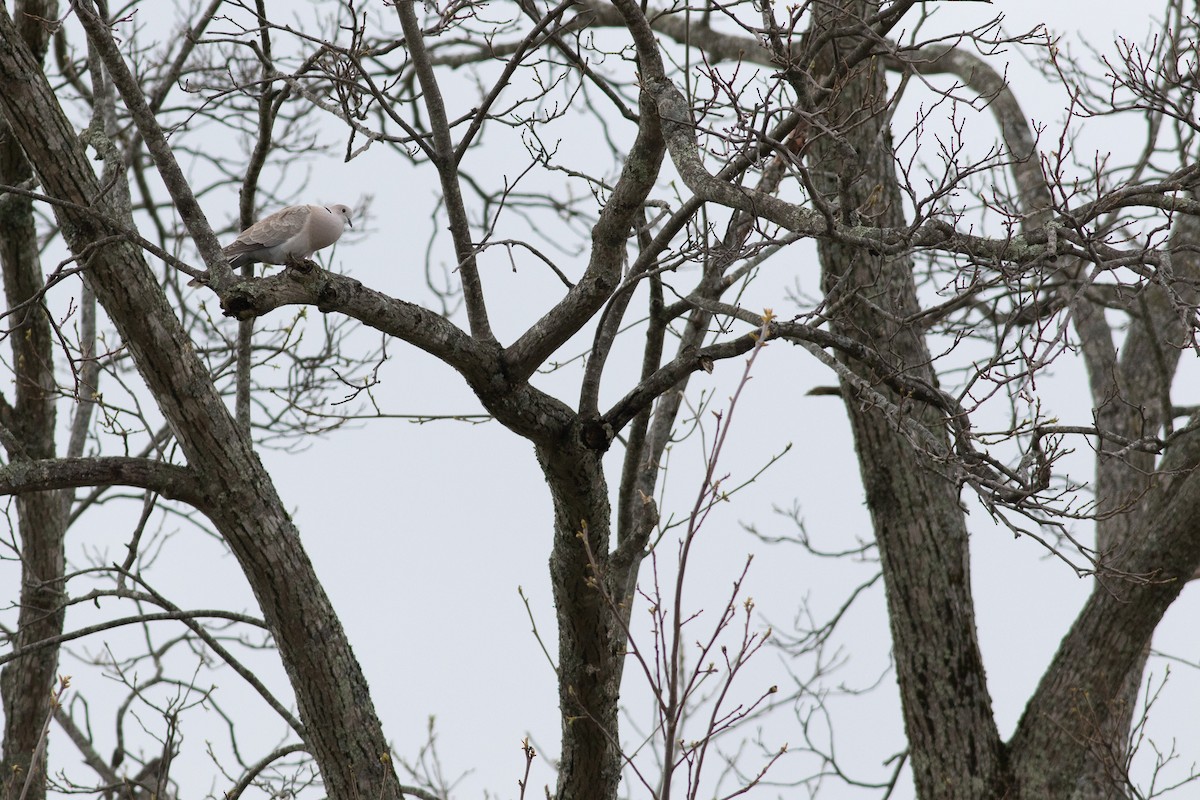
(1035, 244)
(170, 480)
(137, 619)
(670, 374)
(519, 406)
(329, 291)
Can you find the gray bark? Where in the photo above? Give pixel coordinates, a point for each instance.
(954, 746)
(331, 692)
(1146, 507)
(26, 684)
(590, 638)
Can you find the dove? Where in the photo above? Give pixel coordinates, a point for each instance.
(289, 236)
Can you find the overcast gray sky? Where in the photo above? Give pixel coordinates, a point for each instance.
(423, 533)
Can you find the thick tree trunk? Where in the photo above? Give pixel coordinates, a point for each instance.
(340, 723)
(590, 639)
(26, 684)
(1059, 728)
(955, 749)
(1130, 396)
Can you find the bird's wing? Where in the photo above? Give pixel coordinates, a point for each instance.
(271, 231)
(279, 227)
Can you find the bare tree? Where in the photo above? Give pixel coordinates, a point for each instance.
(723, 140)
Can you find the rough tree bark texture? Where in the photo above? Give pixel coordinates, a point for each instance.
(26, 684)
(955, 749)
(1130, 394)
(1131, 391)
(1073, 738)
(340, 723)
(1063, 746)
(589, 636)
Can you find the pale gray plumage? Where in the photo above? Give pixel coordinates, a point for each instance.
(289, 236)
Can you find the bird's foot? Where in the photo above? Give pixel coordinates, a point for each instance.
(303, 266)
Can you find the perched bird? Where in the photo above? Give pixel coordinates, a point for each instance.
(289, 236)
